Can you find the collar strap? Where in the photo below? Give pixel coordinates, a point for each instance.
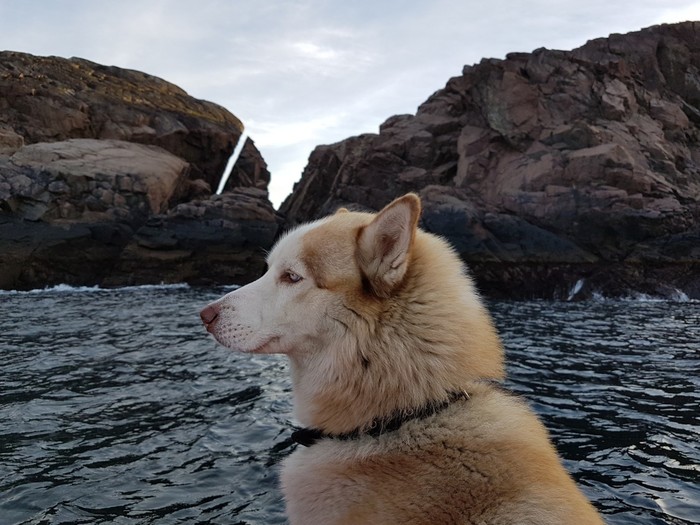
(379, 426)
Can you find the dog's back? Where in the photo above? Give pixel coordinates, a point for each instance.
(485, 459)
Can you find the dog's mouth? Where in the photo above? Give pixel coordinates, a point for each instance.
(237, 346)
(261, 349)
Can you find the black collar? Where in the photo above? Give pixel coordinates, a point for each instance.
(309, 436)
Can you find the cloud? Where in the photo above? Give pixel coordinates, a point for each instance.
(300, 73)
(284, 133)
(685, 12)
(315, 52)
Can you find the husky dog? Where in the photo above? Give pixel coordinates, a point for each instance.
(393, 361)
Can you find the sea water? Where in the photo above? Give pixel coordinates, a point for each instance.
(116, 407)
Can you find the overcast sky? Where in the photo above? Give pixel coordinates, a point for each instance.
(300, 73)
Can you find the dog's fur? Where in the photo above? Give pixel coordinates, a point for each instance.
(378, 318)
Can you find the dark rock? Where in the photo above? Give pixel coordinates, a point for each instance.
(547, 168)
(222, 239)
(37, 254)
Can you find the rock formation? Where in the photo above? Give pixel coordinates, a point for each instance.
(200, 242)
(106, 177)
(554, 174)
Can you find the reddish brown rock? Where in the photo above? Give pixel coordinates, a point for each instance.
(48, 99)
(546, 168)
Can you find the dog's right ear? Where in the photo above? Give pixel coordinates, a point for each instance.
(384, 245)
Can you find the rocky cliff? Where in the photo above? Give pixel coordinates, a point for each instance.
(106, 177)
(553, 173)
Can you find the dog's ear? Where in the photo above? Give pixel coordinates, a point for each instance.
(384, 244)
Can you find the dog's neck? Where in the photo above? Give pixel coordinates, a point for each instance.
(309, 436)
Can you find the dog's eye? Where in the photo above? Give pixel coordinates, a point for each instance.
(291, 277)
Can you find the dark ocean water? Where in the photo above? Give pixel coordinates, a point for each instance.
(115, 407)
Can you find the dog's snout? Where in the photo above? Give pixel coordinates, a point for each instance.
(209, 314)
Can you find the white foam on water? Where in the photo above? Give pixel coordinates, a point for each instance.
(677, 296)
(576, 288)
(66, 288)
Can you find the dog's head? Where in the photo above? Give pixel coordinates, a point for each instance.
(375, 315)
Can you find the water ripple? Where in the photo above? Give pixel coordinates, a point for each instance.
(617, 385)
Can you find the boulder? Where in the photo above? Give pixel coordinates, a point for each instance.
(82, 180)
(49, 99)
(545, 169)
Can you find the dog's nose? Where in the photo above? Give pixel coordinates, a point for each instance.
(209, 314)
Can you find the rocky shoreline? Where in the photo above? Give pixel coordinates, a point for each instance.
(555, 174)
(106, 178)
(546, 169)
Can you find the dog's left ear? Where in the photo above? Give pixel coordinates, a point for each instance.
(384, 244)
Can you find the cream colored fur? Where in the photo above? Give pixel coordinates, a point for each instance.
(378, 317)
